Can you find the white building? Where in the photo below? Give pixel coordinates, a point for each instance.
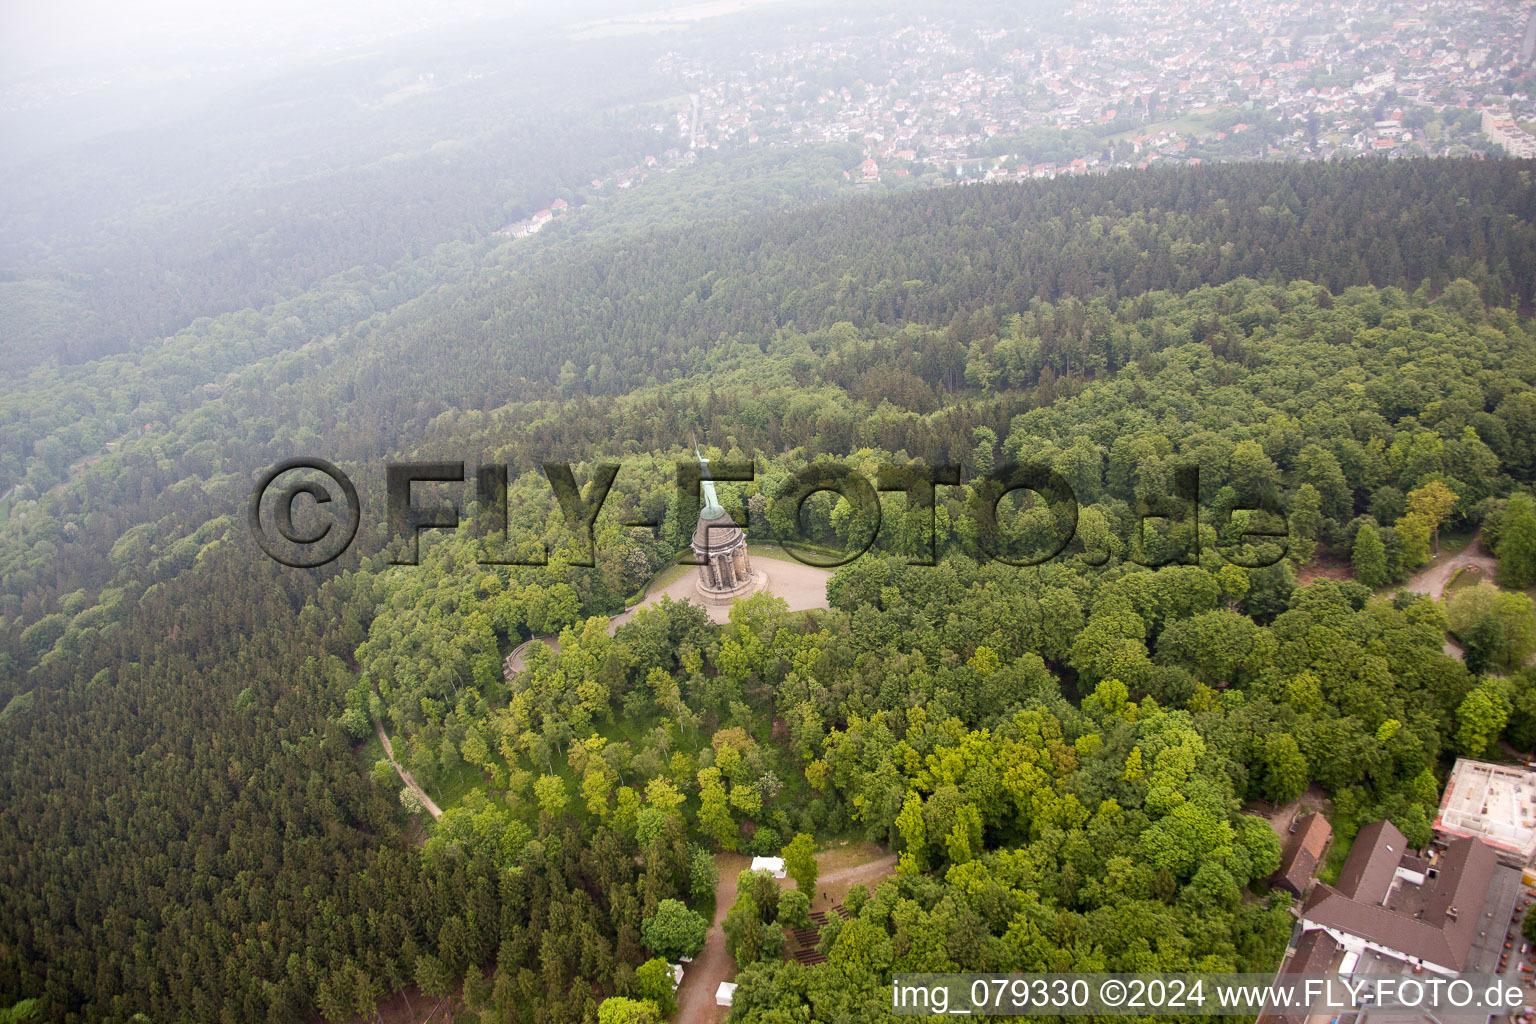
(773, 865)
(1375, 83)
(1501, 129)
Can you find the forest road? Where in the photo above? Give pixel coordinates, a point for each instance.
(405, 776)
(696, 995)
(1433, 581)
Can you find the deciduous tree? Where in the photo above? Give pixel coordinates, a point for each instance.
(1434, 502)
(674, 931)
(1517, 543)
(800, 862)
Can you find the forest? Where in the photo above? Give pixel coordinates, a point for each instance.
(1058, 755)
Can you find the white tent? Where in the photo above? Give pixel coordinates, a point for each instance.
(725, 993)
(773, 865)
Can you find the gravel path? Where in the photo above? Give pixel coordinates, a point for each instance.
(1433, 581)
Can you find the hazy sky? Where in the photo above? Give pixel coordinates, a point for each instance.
(44, 33)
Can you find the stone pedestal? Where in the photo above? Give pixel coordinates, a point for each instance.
(711, 595)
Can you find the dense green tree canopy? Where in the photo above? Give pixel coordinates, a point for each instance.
(1057, 753)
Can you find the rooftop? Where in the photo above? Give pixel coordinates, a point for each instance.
(1303, 851)
(772, 865)
(1372, 863)
(1447, 921)
(1492, 802)
(1315, 953)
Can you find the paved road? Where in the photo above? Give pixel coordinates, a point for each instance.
(405, 776)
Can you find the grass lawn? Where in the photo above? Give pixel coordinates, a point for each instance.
(1188, 124)
(1338, 850)
(775, 553)
(1466, 576)
(450, 788)
(625, 727)
(770, 551)
(668, 576)
(1454, 542)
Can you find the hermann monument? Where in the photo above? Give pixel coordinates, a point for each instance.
(725, 570)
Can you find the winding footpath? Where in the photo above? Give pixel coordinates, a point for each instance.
(405, 776)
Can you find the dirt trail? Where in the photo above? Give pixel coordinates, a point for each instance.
(832, 888)
(696, 995)
(405, 776)
(1315, 798)
(1432, 581)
